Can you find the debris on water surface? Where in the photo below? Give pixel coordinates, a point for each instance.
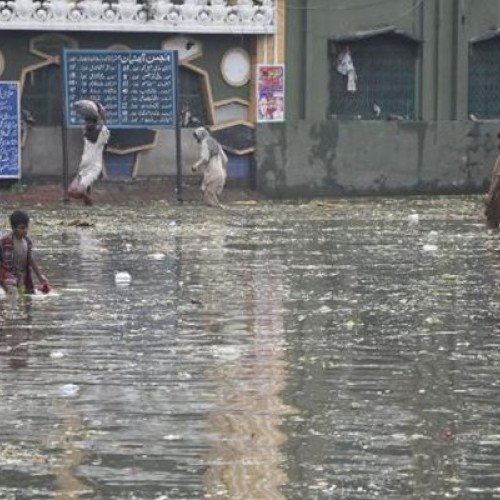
(57, 354)
(39, 295)
(234, 325)
(433, 320)
(171, 437)
(156, 256)
(413, 219)
(79, 223)
(122, 278)
(353, 322)
(447, 434)
(429, 248)
(324, 310)
(69, 390)
(246, 202)
(11, 454)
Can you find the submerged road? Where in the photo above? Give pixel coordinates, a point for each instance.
(344, 349)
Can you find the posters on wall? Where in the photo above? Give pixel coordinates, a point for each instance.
(271, 93)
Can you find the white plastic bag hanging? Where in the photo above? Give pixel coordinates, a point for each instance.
(345, 66)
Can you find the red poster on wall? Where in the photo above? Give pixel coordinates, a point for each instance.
(271, 93)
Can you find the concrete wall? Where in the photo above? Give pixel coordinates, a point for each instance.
(444, 27)
(42, 155)
(441, 152)
(308, 158)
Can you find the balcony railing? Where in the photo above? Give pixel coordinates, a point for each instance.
(191, 16)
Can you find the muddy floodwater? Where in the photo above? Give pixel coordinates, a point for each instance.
(334, 349)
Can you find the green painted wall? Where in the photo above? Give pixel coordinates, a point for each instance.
(38, 160)
(440, 152)
(445, 28)
(215, 47)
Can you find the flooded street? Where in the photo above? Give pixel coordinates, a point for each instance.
(335, 349)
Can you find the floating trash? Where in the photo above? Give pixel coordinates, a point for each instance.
(122, 278)
(156, 256)
(324, 310)
(172, 437)
(432, 236)
(429, 248)
(69, 390)
(353, 323)
(80, 223)
(432, 320)
(413, 219)
(57, 354)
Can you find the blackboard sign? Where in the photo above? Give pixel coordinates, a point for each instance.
(137, 87)
(10, 131)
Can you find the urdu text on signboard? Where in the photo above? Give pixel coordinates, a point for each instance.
(137, 88)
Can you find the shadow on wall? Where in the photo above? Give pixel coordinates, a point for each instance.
(325, 137)
(478, 149)
(271, 173)
(345, 158)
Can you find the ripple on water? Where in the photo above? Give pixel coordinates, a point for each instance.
(334, 349)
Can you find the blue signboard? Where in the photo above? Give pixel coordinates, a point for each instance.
(10, 131)
(137, 87)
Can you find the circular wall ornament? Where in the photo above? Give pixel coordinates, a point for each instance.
(235, 67)
(2, 62)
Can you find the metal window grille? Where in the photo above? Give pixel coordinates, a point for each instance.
(41, 95)
(386, 78)
(192, 104)
(484, 77)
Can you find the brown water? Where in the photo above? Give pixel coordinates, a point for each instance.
(325, 350)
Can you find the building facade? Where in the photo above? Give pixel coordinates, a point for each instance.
(385, 96)
(220, 43)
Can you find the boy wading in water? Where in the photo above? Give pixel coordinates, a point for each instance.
(16, 259)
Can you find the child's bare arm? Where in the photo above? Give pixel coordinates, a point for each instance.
(41, 277)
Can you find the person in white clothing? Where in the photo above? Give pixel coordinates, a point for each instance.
(95, 138)
(213, 162)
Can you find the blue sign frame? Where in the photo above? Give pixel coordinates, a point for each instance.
(138, 88)
(10, 130)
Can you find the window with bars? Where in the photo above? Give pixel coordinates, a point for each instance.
(192, 103)
(42, 95)
(484, 78)
(383, 85)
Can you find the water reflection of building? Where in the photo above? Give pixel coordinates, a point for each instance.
(244, 460)
(68, 485)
